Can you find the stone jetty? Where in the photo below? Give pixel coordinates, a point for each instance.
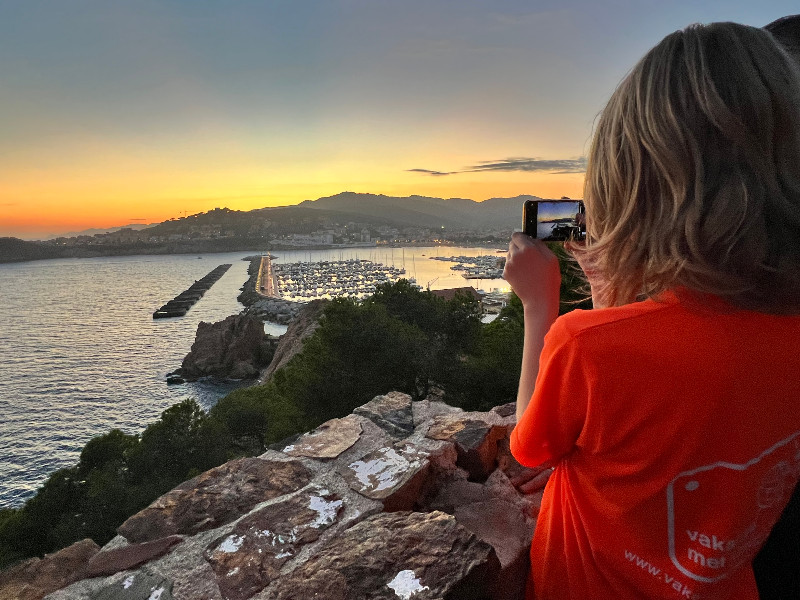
(180, 304)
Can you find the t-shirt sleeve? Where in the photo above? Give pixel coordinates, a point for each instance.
(555, 416)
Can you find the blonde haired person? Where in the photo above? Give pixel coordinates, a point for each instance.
(669, 412)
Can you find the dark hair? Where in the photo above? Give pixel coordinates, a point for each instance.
(787, 31)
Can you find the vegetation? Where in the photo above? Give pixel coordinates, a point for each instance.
(400, 339)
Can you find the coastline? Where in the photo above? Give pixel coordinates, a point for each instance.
(13, 250)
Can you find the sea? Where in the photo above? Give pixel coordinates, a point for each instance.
(80, 353)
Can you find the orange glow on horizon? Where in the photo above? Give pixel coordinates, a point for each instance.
(67, 206)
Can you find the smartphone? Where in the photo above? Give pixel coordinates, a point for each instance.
(554, 220)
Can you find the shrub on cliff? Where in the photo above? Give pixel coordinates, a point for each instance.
(400, 339)
(117, 475)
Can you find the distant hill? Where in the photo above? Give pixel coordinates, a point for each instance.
(94, 231)
(425, 211)
(226, 230)
(16, 250)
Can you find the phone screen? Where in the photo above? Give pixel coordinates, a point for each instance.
(555, 220)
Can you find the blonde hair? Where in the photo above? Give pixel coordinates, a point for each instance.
(693, 178)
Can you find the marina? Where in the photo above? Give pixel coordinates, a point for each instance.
(355, 277)
(476, 267)
(305, 281)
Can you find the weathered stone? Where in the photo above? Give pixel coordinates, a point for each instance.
(137, 586)
(505, 410)
(529, 480)
(430, 407)
(108, 562)
(34, 578)
(475, 440)
(328, 440)
(215, 497)
(394, 475)
(456, 492)
(231, 348)
(250, 557)
(499, 515)
(505, 527)
(395, 555)
(392, 413)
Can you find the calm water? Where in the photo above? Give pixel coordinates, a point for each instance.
(80, 353)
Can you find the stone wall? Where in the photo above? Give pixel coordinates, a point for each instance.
(399, 500)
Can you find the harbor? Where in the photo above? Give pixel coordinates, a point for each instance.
(306, 281)
(476, 267)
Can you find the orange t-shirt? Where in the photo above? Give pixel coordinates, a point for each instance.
(675, 434)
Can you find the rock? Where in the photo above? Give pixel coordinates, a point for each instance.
(475, 439)
(328, 440)
(137, 586)
(215, 497)
(499, 515)
(251, 556)
(505, 410)
(175, 380)
(395, 555)
(291, 342)
(430, 407)
(35, 578)
(392, 413)
(108, 562)
(502, 525)
(394, 475)
(325, 516)
(231, 348)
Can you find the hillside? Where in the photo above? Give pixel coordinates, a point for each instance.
(424, 211)
(15, 250)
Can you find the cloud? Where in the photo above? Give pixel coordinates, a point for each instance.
(558, 166)
(562, 165)
(429, 172)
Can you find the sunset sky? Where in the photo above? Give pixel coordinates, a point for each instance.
(117, 112)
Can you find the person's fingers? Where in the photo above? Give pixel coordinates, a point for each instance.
(537, 483)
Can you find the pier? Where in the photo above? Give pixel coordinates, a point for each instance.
(180, 304)
(265, 283)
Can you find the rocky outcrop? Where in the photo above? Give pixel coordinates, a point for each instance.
(291, 342)
(215, 497)
(402, 499)
(277, 310)
(235, 348)
(35, 577)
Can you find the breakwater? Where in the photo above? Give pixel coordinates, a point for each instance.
(180, 304)
(268, 308)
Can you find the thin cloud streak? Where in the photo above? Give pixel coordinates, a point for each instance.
(429, 172)
(557, 166)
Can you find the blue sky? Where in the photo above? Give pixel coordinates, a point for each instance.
(112, 111)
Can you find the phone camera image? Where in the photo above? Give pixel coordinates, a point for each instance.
(554, 220)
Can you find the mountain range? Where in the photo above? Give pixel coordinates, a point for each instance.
(425, 211)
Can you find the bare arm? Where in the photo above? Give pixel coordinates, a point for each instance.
(533, 272)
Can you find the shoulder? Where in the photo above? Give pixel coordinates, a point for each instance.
(599, 321)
